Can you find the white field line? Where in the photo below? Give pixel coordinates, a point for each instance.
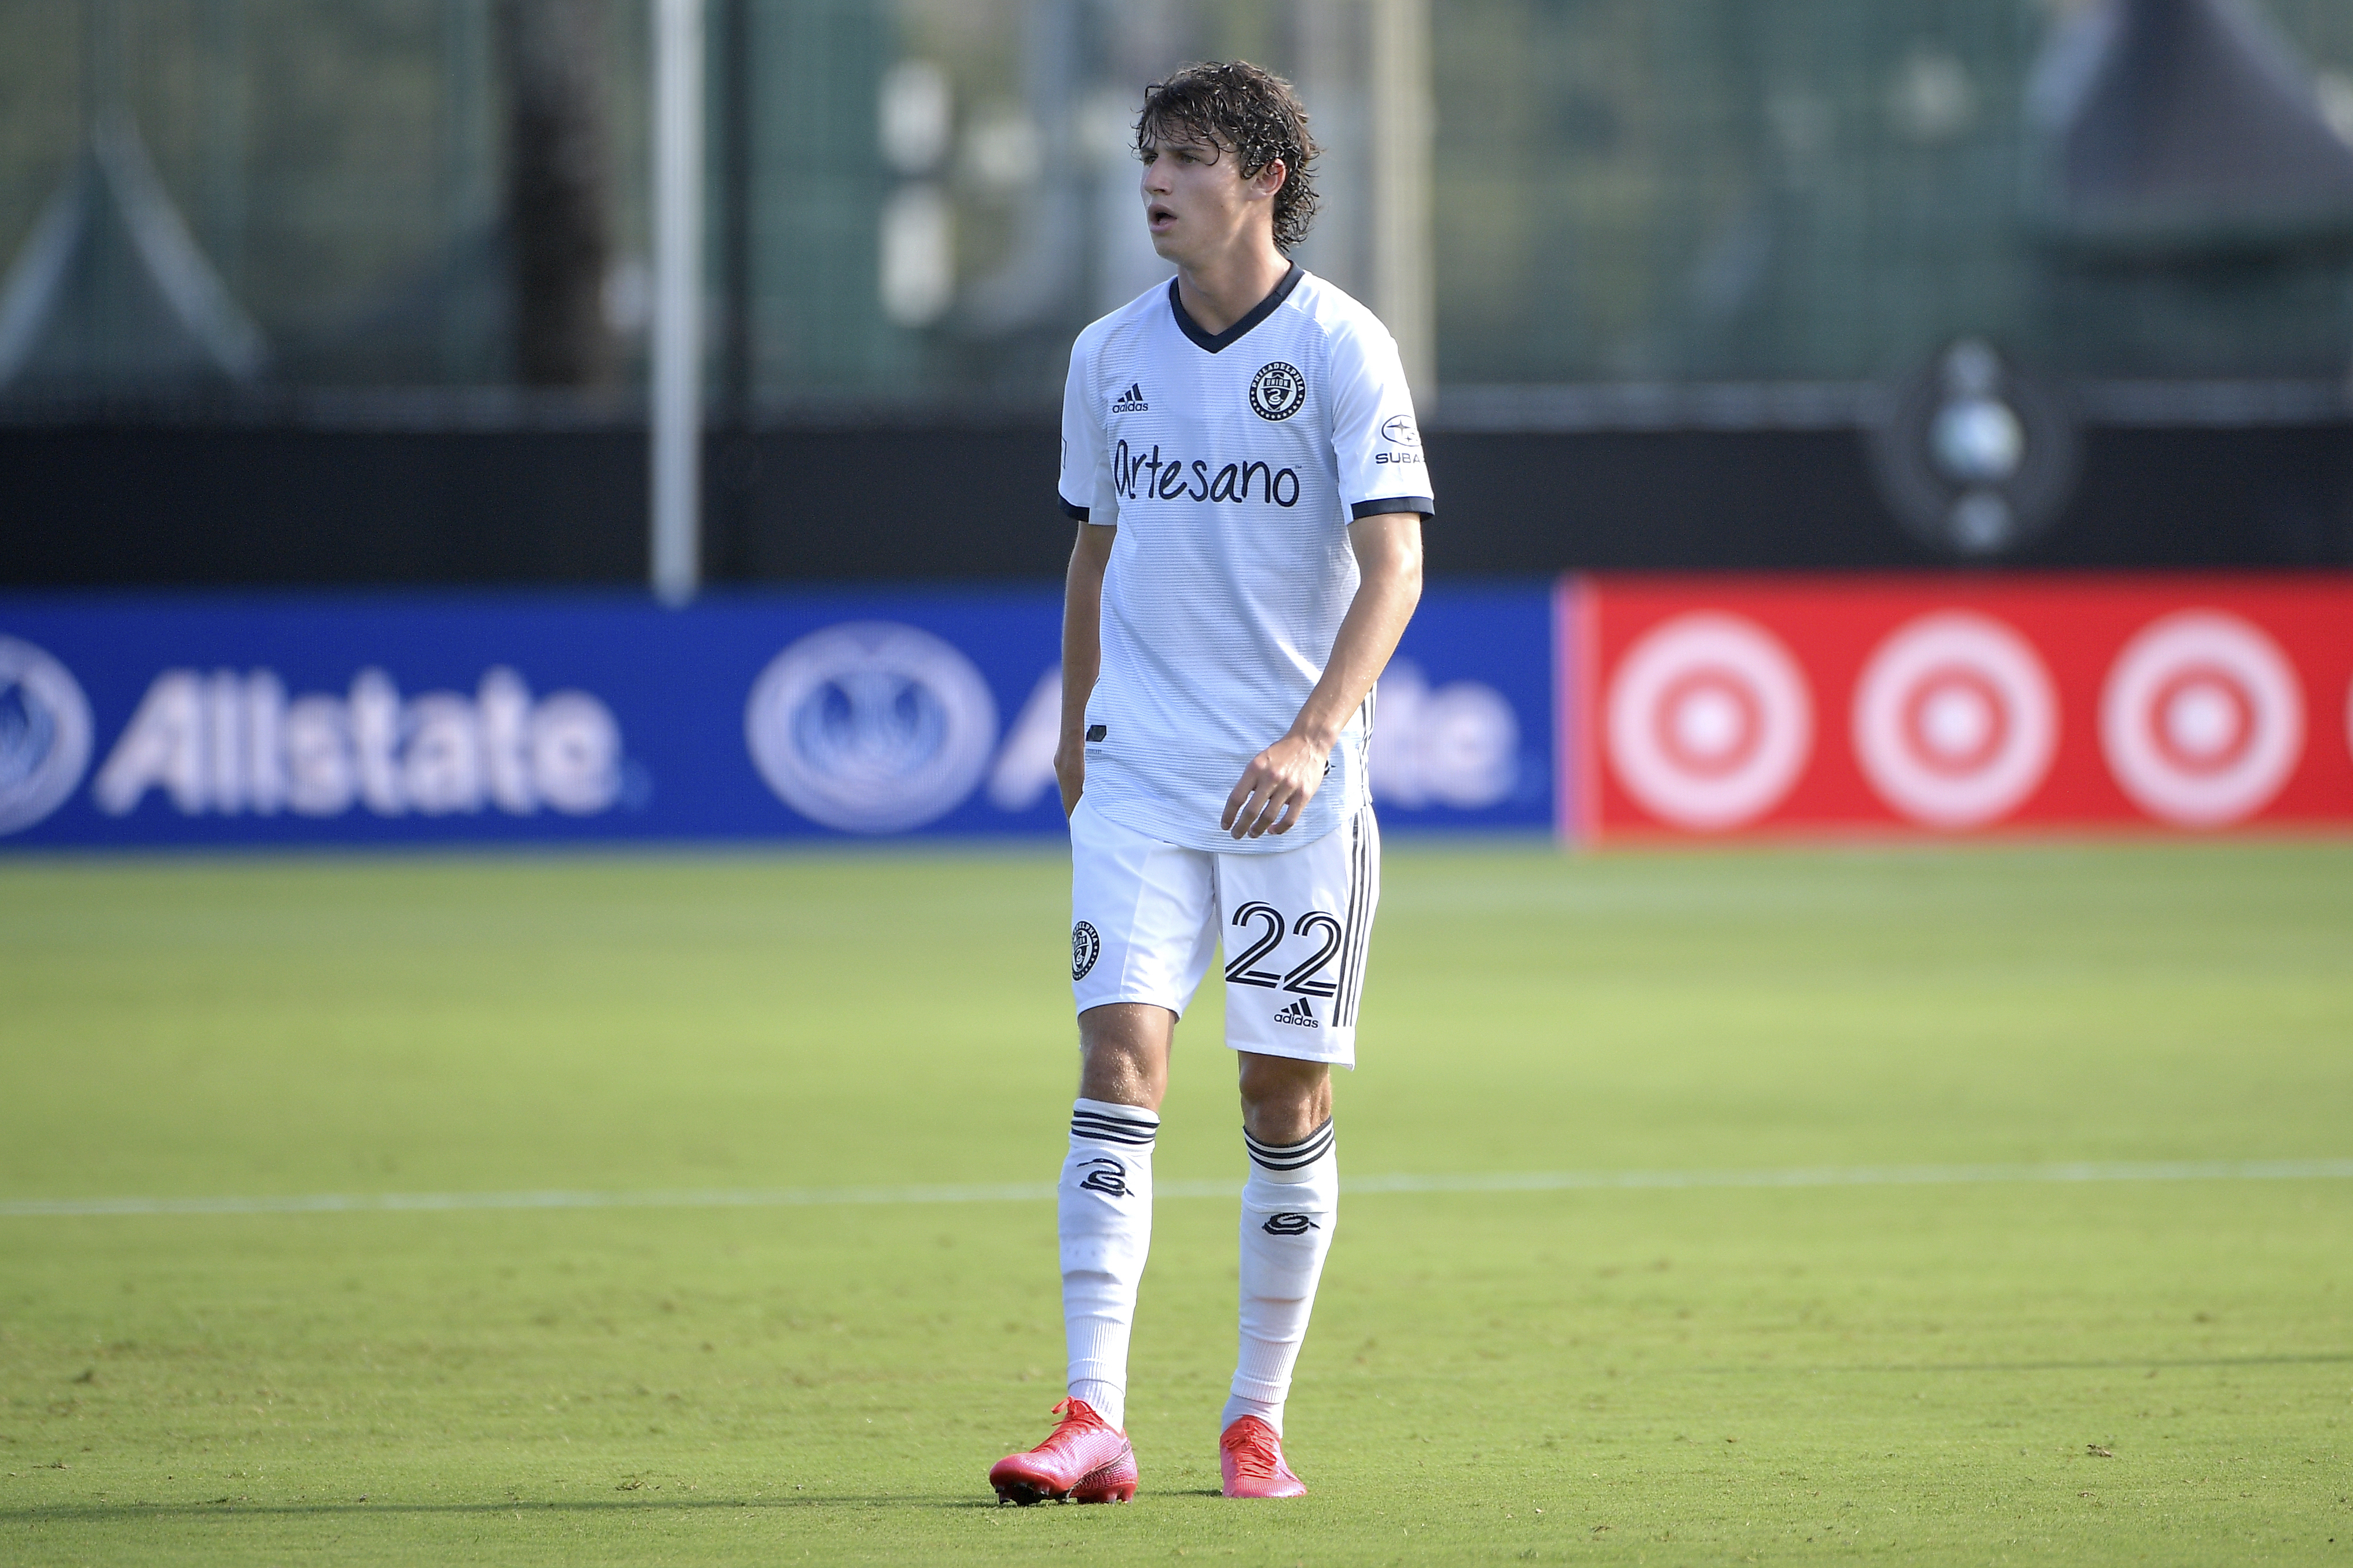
(1039, 1192)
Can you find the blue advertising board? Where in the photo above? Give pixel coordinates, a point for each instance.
(292, 721)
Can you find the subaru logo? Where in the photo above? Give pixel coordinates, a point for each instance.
(44, 734)
(872, 727)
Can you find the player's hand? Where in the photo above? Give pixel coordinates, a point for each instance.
(1071, 773)
(1275, 788)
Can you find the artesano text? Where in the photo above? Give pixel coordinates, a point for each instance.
(1175, 480)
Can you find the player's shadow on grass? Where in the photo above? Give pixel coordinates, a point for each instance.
(94, 1513)
(960, 1502)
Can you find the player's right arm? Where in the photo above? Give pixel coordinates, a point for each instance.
(1086, 493)
(1082, 654)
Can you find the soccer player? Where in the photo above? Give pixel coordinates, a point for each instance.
(1239, 450)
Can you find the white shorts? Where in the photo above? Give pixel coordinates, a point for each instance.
(1146, 915)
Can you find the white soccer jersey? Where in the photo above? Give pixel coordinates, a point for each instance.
(1232, 464)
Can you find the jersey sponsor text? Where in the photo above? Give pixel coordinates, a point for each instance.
(1168, 479)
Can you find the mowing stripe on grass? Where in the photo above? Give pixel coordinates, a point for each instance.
(1037, 1191)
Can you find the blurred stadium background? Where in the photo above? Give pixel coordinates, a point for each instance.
(769, 301)
(371, 283)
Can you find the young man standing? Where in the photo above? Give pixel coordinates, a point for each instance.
(1239, 450)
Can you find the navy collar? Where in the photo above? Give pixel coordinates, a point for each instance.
(1214, 341)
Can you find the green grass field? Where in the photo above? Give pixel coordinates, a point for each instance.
(1964, 1372)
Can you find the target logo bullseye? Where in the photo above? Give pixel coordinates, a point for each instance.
(1709, 721)
(2201, 719)
(1956, 720)
(1707, 724)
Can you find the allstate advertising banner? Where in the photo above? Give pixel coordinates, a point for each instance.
(296, 721)
(1952, 703)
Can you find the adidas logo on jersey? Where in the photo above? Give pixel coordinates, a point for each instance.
(1300, 1014)
(1132, 400)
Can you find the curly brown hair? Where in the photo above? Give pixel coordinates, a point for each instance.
(1234, 106)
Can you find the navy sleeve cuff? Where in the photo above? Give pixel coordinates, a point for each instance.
(1365, 509)
(1071, 510)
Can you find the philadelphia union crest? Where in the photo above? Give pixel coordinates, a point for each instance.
(1085, 948)
(1277, 390)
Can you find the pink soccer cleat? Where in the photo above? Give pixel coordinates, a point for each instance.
(1082, 1460)
(1250, 1456)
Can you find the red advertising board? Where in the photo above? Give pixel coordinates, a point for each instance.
(1712, 705)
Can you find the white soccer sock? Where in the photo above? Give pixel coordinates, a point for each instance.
(1289, 1205)
(1105, 1213)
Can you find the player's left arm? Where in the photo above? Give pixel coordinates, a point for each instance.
(1280, 780)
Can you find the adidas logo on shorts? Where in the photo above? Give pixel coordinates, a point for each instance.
(1300, 1014)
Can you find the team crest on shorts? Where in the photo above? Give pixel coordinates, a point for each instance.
(1277, 390)
(1086, 946)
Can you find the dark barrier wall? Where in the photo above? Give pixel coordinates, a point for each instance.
(261, 508)
(148, 505)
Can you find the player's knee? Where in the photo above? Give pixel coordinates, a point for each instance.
(1124, 1054)
(1283, 1100)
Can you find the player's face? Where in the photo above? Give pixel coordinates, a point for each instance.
(1196, 202)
